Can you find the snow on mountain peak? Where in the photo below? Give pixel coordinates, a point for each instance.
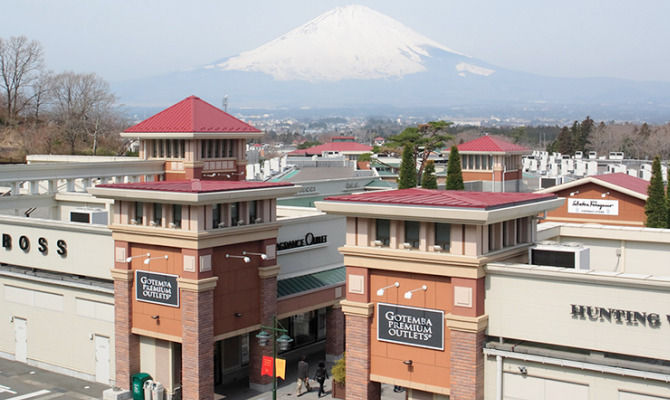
(352, 42)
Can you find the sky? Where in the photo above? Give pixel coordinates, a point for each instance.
(124, 39)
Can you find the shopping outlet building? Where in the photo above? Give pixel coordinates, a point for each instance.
(166, 265)
(116, 267)
(441, 299)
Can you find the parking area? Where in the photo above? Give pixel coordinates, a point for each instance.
(20, 381)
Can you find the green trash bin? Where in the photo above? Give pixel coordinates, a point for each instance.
(138, 385)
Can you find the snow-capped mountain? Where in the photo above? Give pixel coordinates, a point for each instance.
(353, 42)
(353, 56)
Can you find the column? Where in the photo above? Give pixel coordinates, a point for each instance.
(467, 324)
(334, 332)
(267, 298)
(358, 316)
(197, 355)
(127, 345)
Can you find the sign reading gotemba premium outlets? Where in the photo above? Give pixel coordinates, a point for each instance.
(590, 206)
(157, 288)
(412, 326)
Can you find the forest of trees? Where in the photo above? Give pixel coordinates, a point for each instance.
(42, 111)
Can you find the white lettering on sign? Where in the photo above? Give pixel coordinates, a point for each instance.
(590, 206)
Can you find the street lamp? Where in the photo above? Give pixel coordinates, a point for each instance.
(283, 341)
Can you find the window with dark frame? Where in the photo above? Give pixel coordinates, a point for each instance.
(216, 215)
(176, 215)
(412, 233)
(235, 214)
(252, 211)
(158, 214)
(383, 231)
(443, 236)
(139, 212)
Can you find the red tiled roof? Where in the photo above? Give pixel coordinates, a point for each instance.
(490, 144)
(194, 186)
(625, 181)
(192, 115)
(445, 198)
(336, 146)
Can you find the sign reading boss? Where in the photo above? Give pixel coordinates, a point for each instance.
(153, 287)
(412, 326)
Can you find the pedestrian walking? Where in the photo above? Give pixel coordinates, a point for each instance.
(320, 376)
(303, 376)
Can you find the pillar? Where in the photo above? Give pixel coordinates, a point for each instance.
(268, 309)
(127, 345)
(334, 332)
(197, 355)
(467, 324)
(358, 318)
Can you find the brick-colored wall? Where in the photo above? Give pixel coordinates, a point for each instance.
(335, 331)
(467, 365)
(197, 345)
(126, 344)
(358, 360)
(267, 303)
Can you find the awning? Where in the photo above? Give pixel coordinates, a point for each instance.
(310, 282)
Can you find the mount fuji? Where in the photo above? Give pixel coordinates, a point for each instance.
(352, 57)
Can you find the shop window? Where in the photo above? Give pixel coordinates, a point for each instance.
(158, 214)
(383, 232)
(252, 212)
(412, 233)
(443, 236)
(176, 215)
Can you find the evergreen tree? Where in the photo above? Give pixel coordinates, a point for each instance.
(454, 173)
(407, 174)
(564, 141)
(585, 129)
(424, 139)
(429, 181)
(656, 208)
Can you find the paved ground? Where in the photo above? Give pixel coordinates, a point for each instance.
(20, 381)
(286, 389)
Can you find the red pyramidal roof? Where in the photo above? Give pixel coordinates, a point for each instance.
(445, 198)
(192, 115)
(491, 144)
(333, 146)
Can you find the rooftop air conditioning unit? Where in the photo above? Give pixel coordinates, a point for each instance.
(572, 255)
(89, 216)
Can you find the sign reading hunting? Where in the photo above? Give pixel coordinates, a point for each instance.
(421, 327)
(153, 287)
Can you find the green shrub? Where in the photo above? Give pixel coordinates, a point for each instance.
(339, 370)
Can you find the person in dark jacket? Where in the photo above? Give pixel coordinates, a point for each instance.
(320, 376)
(303, 376)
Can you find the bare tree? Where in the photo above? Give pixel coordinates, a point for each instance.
(20, 61)
(83, 105)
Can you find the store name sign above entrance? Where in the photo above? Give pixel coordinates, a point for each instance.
(616, 315)
(153, 287)
(42, 244)
(308, 240)
(589, 206)
(421, 327)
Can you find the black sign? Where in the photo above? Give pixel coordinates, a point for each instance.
(421, 327)
(43, 244)
(156, 288)
(308, 240)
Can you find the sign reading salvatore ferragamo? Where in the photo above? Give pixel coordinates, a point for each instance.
(590, 206)
(421, 327)
(157, 288)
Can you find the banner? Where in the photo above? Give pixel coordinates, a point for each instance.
(266, 366)
(280, 366)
